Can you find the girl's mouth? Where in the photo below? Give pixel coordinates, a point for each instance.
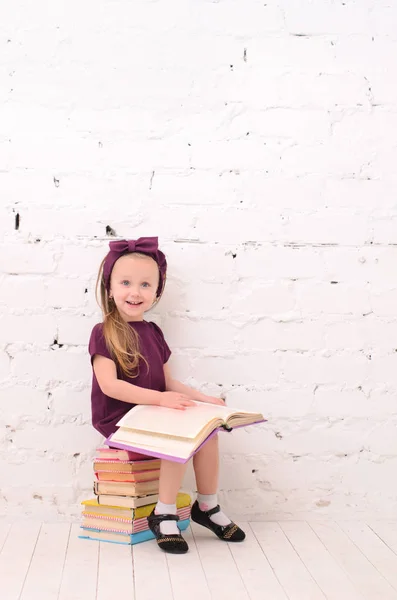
(134, 303)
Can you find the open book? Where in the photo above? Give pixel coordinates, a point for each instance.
(176, 434)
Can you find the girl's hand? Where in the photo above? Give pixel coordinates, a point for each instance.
(212, 400)
(175, 400)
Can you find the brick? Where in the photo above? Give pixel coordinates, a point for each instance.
(279, 262)
(26, 258)
(66, 402)
(55, 364)
(331, 298)
(383, 302)
(312, 125)
(185, 333)
(271, 299)
(67, 438)
(82, 261)
(311, 18)
(33, 329)
(316, 369)
(274, 335)
(23, 291)
(73, 330)
(4, 365)
(67, 292)
(22, 401)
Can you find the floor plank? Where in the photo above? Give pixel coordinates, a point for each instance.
(327, 573)
(15, 558)
(151, 572)
(362, 573)
(288, 567)
(387, 532)
(380, 555)
(79, 579)
(224, 580)
(254, 568)
(186, 573)
(49, 557)
(4, 530)
(115, 572)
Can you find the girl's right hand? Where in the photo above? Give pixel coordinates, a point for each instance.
(175, 400)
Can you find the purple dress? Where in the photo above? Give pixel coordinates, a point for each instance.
(107, 411)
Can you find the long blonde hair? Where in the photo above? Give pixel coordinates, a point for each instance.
(121, 340)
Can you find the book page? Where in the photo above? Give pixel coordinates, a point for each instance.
(176, 423)
(174, 447)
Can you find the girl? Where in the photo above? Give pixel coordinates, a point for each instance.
(129, 357)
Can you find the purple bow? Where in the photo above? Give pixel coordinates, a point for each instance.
(145, 245)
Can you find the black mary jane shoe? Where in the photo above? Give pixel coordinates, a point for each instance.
(227, 533)
(173, 543)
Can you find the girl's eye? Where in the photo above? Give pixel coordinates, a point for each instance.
(125, 282)
(146, 284)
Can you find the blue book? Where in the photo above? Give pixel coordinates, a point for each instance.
(124, 538)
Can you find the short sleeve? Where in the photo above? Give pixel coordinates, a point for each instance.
(97, 344)
(166, 352)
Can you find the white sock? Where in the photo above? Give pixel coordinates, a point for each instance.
(208, 501)
(167, 527)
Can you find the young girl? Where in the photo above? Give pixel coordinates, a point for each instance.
(129, 357)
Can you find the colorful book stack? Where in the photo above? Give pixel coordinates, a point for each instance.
(126, 491)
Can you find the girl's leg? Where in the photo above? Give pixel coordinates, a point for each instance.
(206, 468)
(171, 475)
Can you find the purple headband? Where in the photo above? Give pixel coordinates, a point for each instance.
(144, 245)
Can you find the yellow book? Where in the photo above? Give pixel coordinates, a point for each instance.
(92, 507)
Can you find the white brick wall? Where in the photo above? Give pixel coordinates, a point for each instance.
(258, 141)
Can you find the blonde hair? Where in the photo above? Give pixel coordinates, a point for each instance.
(121, 340)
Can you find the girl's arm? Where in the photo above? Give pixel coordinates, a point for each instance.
(106, 374)
(173, 385)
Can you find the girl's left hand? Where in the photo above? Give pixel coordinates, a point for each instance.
(213, 400)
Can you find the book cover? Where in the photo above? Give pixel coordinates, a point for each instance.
(92, 507)
(127, 501)
(126, 466)
(129, 477)
(120, 538)
(126, 488)
(177, 435)
(105, 452)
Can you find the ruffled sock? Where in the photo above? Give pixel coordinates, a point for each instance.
(167, 527)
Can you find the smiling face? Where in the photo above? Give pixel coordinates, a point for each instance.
(133, 285)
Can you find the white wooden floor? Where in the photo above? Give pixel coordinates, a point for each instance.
(292, 560)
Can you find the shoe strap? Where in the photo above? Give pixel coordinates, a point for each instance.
(157, 519)
(212, 511)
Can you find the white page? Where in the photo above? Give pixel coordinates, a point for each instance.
(163, 445)
(179, 423)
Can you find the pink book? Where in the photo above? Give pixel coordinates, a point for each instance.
(105, 453)
(123, 476)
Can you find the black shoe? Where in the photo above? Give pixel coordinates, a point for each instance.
(228, 533)
(173, 543)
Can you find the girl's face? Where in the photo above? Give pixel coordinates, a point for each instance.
(133, 285)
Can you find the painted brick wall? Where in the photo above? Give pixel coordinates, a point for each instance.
(257, 140)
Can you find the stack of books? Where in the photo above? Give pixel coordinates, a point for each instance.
(126, 490)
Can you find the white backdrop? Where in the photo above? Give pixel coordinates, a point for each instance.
(257, 140)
